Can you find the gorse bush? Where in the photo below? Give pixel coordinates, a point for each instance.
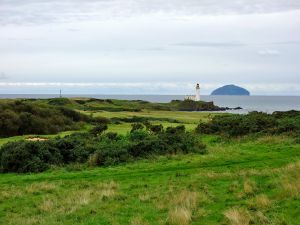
(37, 156)
(28, 156)
(104, 149)
(25, 117)
(254, 122)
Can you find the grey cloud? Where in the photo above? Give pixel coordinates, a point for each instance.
(73, 30)
(287, 43)
(209, 44)
(3, 76)
(145, 87)
(153, 49)
(44, 11)
(269, 52)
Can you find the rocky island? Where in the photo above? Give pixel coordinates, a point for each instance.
(230, 90)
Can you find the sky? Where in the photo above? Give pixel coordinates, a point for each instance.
(149, 46)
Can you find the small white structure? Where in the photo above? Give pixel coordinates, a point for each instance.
(194, 97)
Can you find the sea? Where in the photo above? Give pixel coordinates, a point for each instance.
(266, 104)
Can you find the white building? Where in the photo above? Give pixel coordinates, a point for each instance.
(195, 97)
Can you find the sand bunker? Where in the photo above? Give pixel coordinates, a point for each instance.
(36, 139)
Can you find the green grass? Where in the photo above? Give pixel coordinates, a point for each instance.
(184, 117)
(251, 180)
(124, 128)
(236, 176)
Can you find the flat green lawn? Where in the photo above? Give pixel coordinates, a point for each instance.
(251, 181)
(184, 117)
(124, 128)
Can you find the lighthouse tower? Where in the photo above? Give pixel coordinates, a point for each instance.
(197, 96)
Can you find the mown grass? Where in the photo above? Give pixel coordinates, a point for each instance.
(240, 181)
(184, 117)
(124, 128)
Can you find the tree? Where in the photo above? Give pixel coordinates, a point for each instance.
(136, 126)
(99, 129)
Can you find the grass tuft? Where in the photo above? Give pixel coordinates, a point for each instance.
(47, 205)
(186, 199)
(40, 187)
(262, 201)
(238, 216)
(145, 197)
(249, 187)
(138, 221)
(179, 216)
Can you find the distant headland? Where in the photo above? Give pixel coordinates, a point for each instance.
(230, 90)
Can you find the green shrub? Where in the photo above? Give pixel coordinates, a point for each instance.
(28, 156)
(99, 129)
(112, 152)
(101, 149)
(26, 117)
(254, 122)
(136, 126)
(155, 128)
(9, 123)
(59, 101)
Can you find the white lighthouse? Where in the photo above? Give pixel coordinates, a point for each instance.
(194, 97)
(197, 96)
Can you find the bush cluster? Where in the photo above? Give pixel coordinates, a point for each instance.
(141, 119)
(98, 148)
(24, 117)
(254, 122)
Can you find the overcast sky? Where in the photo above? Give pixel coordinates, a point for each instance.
(149, 46)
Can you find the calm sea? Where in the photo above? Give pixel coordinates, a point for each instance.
(267, 104)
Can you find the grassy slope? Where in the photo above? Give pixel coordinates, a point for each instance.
(233, 174)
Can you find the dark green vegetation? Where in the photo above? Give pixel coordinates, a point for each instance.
(96, 148)
(129, 168)
(50, 116)
(25, 117)
(113, 105)
(254, 122)
(230, 90)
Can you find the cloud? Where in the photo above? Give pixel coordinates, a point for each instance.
(269, 52)
(3, 76)
(142, 88)
(209, 44)
(43, 11)
(286, 43)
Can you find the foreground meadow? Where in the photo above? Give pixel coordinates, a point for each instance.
(242, 181)
(242, 170)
